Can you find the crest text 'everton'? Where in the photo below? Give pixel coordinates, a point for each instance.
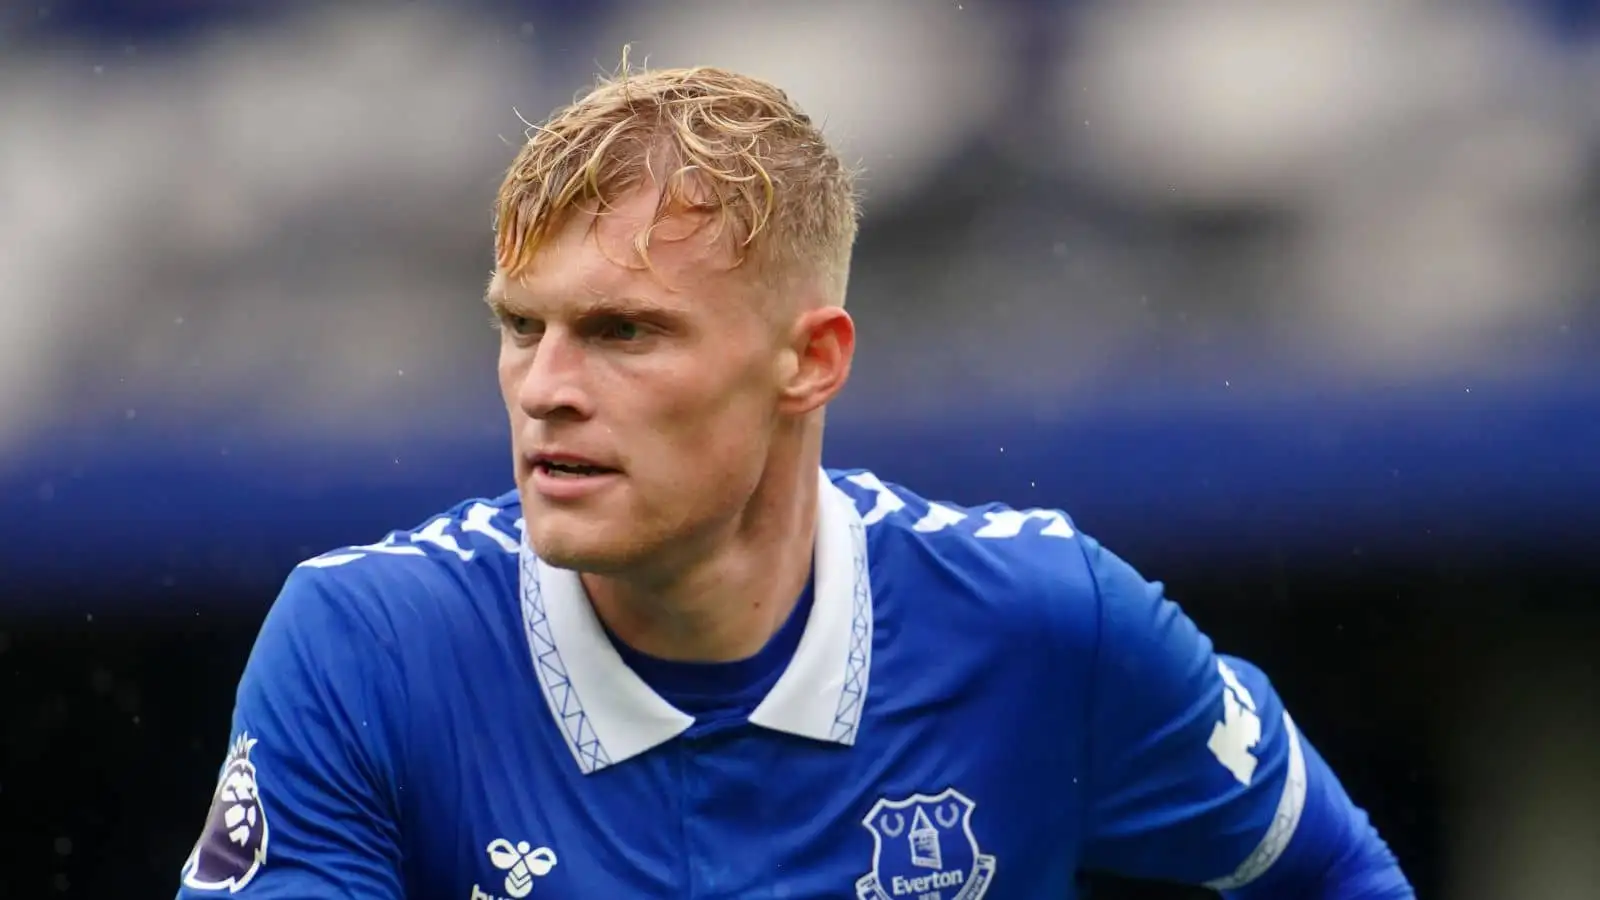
(924, 849)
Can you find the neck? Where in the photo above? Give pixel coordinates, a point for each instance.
(728, 599)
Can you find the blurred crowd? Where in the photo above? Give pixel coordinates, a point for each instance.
(277, 214)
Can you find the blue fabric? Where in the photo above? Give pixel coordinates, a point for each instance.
(1034, 708)
(1335, 854)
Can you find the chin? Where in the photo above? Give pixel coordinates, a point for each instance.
(581, 547)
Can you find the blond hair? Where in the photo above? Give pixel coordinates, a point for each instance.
(714, 142)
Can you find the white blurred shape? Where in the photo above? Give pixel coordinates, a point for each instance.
(1426, 267)
(897, 84)
(1430, 182)
(1222, 100)
(234, 226)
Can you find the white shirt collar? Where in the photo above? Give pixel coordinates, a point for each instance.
(608, 714)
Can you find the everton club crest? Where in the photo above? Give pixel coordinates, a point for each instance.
(234, 845)
(924, 848)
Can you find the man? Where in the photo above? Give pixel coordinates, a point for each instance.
(682, 660)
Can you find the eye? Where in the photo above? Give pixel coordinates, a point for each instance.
(521, 326)
(622, 330)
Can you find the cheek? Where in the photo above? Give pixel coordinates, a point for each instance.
(511, 371)
(735, 433)
(706, 431)
(505, 374)
(706, 472)
(726, 405)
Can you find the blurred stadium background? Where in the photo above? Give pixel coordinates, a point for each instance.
(1293, 303)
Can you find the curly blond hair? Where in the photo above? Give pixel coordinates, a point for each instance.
(714, 142)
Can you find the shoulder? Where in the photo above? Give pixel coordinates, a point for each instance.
(464, 555)
(371, 632)
(1025, 565)
(474, 530)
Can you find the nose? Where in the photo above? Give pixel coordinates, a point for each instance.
(552, 384)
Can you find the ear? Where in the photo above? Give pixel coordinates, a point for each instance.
(822, 344)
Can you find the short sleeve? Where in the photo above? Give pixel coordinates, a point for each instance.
(306, 803)
(1196, 773)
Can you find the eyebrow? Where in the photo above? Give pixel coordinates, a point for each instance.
(600, 304)
(494, 294)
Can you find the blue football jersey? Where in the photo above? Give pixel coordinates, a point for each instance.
(983, 702)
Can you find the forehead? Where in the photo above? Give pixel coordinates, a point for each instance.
(627, 250)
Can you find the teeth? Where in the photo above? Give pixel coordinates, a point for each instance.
(566, 470)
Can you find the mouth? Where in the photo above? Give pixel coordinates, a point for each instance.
(564, 467)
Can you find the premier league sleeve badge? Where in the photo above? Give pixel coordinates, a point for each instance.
(233, 846)
(923, 846)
